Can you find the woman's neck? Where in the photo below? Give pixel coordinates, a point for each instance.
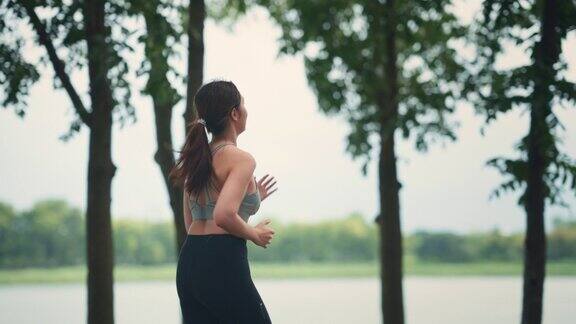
(223, 139)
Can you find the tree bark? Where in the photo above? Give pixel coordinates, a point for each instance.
(164, 97)
(389, 219)
(547, 53)
(196, 17)
(101, 170)
(390, 236)
(165, 160)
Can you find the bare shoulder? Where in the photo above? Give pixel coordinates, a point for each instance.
(239, 157)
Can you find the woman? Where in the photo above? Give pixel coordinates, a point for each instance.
(213, 278)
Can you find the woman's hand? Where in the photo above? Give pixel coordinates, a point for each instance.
(265, 186)
(264, 234)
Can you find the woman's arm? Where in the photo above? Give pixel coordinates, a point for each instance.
(232, 194)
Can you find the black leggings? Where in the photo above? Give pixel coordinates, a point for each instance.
(214, 283)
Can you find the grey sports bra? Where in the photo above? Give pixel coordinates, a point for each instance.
(249, 205)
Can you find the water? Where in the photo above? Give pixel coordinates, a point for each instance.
(428, 300)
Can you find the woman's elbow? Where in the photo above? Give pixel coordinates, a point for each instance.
(221, 218)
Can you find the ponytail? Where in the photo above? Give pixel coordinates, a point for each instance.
(193, 170)
(213, 101)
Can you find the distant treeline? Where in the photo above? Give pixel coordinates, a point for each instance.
(51, 233)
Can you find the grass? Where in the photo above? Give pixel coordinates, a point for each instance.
(287, 270)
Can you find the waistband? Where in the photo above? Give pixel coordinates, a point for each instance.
(224, 236)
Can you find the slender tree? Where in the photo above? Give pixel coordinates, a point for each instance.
(81, 30)
(195, 76)
(542, 171)
(101, 169)
(386, 66)
(161, 39)
(162, 35)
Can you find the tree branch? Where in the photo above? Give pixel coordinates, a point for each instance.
(57, 63)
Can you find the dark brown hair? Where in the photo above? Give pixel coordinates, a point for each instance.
(213, 102)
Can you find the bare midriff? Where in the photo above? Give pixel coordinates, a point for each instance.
(205, 226)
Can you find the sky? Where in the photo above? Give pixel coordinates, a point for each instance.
(446, 188)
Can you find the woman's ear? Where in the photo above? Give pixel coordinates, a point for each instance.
(235, 114)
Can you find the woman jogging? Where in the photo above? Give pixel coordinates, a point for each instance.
(213, 277)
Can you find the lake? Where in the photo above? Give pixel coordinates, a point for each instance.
(428, 300)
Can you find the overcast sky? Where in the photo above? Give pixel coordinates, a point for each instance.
(445, 188)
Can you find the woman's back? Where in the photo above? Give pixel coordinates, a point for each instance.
(201, 207)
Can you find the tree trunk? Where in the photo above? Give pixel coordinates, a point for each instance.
(164, 97)
(196, 17)
(165, 160)
(389, 219)
(101, 170)
(547, 53)
(390, 236)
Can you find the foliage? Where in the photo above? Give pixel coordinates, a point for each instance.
(349, 239)
(561, 242)
(51, 233)
(344, 50)
(542, 79)
(64, 26)
(162, 40)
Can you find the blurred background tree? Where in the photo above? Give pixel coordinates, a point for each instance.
(58, 230)
(77, 35)
(542, 171)
(384, 66)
